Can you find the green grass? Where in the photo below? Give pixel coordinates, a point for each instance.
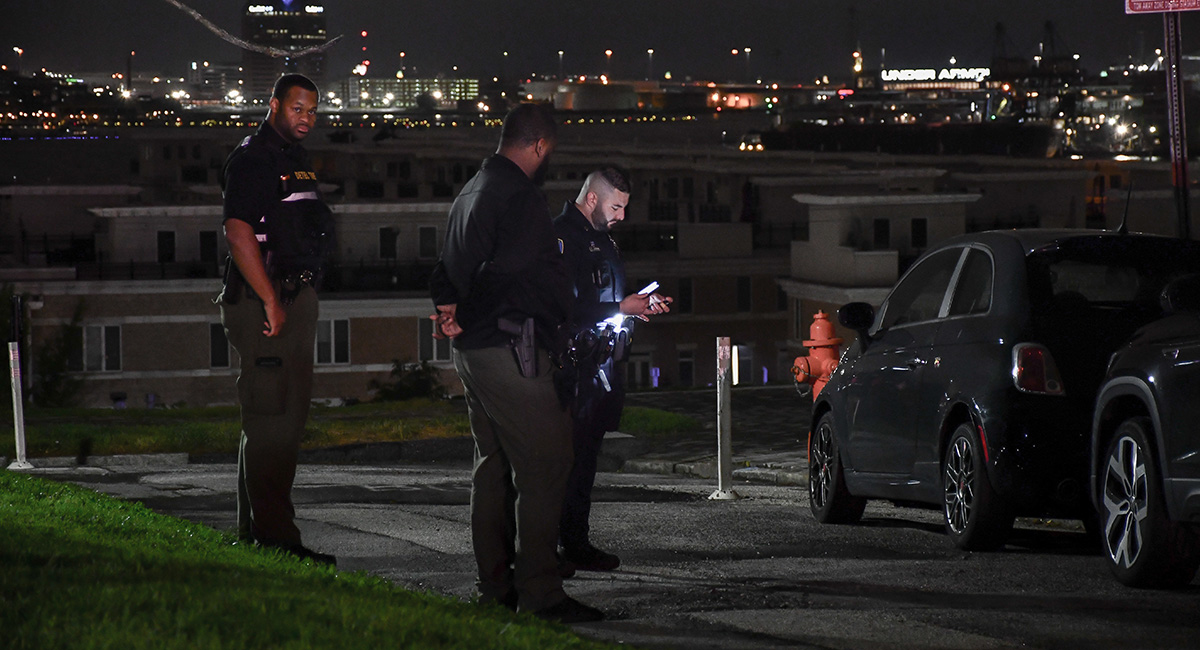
(83, 570)
(639, 420)
(65, 432)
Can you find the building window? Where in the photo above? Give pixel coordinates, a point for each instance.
(100, 350)
(429, 348)
(781, 299)
(218, 345)
(883, 234)
(687, 367)
(683, 298)
(638, 371)
(744, 294)
(920, 233)
(427, 241)
(800, 228)
(208, 246)
(370, 189)
(333, 341)
(166, 246)
(387, 243)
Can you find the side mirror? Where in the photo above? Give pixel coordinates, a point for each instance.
(1181, 294)
(857, 316)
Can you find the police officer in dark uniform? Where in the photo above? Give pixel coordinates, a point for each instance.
(279, 232)
(600, 339)
(502, 294)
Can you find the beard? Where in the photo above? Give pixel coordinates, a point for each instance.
(599, 223)
(539, 175)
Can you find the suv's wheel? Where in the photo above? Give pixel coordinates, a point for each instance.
(976, 517)
(828, 498)
(1142, 546)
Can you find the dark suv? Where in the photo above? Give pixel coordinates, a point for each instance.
(973, 386)
(1146, 448)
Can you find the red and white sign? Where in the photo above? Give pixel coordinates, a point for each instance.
(1159, 6)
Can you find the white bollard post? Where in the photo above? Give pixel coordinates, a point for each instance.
(14, 359)
(724, 423)
(14, 362)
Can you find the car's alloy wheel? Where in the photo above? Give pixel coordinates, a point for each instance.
(1143, 548)
(976, 518)
(828, 498)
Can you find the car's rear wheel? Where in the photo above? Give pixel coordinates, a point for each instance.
(1142, 546)
(976, 517)
(830, 501)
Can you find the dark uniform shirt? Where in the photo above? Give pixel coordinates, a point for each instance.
(500, 258)
(595, 267)
(598, 278)
(270, 184)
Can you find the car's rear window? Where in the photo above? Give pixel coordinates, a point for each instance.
(1112, 272)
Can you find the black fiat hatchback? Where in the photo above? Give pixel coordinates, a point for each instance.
(972, 387)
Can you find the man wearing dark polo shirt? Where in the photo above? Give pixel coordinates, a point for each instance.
(279, 233)
(502, 293)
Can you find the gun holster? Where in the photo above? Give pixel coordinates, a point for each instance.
(234, 283)
(523, 344)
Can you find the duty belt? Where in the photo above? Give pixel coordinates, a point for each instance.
(292, 284)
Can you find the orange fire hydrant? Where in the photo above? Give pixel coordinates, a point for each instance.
(822, 359)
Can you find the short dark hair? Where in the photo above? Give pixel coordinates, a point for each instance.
(527, 123)
(615, 177)
(290, 81)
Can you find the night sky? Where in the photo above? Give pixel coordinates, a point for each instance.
(789, 39)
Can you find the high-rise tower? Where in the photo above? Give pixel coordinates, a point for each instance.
(288, 25)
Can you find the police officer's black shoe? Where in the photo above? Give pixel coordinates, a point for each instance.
(566, 568)
(507, 601)
(569, 610)
(590, 558)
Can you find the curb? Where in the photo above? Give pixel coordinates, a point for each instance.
(708, 470)
(118, 461)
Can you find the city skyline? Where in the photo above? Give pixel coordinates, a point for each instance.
(689, 38)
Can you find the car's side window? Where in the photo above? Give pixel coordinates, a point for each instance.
(919, 295)
(973, 295)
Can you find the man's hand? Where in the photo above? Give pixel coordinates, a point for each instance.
(660, 304)
(243, 246)
(276, 316)
(642, 305)
(444, 324)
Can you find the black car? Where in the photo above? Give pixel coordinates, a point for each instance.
(972, 388)
(1146, 448)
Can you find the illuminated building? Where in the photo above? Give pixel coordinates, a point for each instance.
(290, 25)
(442, 94)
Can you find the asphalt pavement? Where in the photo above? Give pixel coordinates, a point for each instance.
(756, 572)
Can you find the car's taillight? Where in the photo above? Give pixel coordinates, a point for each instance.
(1034, 370)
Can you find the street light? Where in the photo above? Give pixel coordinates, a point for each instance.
(560, 64)
(649, 64)
(607, 60)
(749, 77)
(19, 52)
